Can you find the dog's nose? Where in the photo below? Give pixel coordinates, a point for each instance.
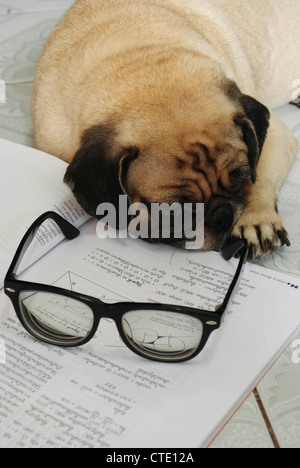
(221, 218)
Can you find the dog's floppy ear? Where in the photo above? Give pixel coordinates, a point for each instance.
(254, 124)
(259, 116)
(95, 173)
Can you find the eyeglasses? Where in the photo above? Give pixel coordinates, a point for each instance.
(165, 333)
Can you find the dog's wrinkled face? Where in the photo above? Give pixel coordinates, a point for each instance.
(204, 158)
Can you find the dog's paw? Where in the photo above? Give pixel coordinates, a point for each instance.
(264, 232)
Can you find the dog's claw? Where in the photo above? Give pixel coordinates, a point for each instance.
(283, 236)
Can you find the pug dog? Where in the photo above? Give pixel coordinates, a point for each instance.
(172, 101)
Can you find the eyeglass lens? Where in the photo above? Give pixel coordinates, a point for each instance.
(56, 318)
(163, 334)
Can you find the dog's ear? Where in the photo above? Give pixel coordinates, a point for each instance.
(254, 124)
(254, 120)
(259, 115)
(96, 172)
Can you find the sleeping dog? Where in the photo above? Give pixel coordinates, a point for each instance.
(171, 101)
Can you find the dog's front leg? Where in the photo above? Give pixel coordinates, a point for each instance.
(260, 222)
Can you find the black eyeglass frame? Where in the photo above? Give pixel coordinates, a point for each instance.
(211, 320)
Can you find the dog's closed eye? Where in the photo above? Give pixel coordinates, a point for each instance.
(238, 176)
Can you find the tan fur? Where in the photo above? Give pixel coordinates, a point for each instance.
(155, 70)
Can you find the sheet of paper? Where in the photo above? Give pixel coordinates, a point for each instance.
(31, 182)
(103, 395)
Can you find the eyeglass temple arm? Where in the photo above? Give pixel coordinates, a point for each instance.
(69, 231)
(227, 253)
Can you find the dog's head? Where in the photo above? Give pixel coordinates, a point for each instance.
(199, 150)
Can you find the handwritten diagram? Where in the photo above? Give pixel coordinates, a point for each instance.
(74, 282)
